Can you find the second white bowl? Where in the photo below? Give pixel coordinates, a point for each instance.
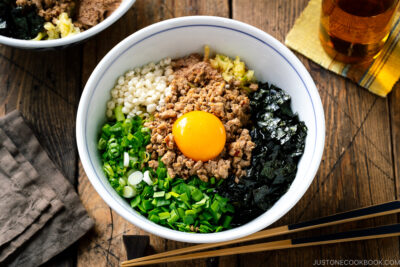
(71, 40)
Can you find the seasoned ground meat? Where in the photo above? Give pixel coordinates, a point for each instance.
(197, 86)
(50, 9)
(92, 12)
(86, 13)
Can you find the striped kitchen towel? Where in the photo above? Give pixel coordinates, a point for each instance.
(378, 76)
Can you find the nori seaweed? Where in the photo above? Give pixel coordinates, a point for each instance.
(19, 22)
(279, 136)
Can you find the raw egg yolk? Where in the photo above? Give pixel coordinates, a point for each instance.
(199, 135)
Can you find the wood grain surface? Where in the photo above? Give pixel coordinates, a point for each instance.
(46, 88)
(360, 166)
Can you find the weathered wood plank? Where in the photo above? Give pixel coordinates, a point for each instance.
(141, 15)
(394, 104)
(357, 167)
(45, 87)
(104, 246)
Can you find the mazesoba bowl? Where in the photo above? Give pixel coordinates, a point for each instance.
(270, 60)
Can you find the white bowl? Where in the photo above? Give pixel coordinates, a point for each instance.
(68, 41)
(270, 59)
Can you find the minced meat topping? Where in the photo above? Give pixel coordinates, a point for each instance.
(198, 86)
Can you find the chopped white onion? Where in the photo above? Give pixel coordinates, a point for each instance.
(141, 89)
(146, 178)
(135, 178)
(126, 159)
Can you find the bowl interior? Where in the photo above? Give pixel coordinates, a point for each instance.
(271, 61)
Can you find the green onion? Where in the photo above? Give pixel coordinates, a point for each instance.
(212, 180)
(102, 144)
(128, 192)
(166, 184)
(116, 129)
(147, 204)
(219, 229)
(185, 205)
(190, 212)
(135, 201)
(207, 216)
(161, 172)
(205, 229)
(200, 203)
(175, 195)
(164, 215)
(188, 219)
(118, 113)
(163, 202)
(216, 216)
(135, 178)
(215, 206)
(174, 217)
(227, 221)
(159, 194)
(197, 210)
(147, 178)
(122, 181)
(181, 212)
(184, 197)
(108, 170)
(106, 129)
(197, 195)
(147, 191)
(154, 218)
(140, 207)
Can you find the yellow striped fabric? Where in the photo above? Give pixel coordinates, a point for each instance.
(379, 77)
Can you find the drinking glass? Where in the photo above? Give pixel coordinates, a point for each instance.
(355, 30)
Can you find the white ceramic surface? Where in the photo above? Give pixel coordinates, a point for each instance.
(270, 59)
(68, 41)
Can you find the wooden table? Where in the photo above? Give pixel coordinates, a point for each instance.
(360, 166)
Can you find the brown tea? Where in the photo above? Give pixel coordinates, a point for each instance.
(355, 30)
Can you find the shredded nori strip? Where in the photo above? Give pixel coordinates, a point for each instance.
(19, 22)
(279, 136)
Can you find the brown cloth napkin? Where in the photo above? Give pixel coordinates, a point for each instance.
(25, 178)
(20, 205)
(70, 223)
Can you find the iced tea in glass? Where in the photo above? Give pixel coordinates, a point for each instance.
(355, 30)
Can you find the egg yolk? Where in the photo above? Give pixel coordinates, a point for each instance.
(199, 135)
